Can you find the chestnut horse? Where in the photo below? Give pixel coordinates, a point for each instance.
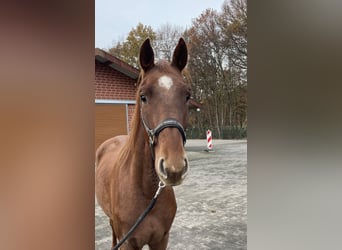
(129, 168)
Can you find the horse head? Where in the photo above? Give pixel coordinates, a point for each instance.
(164, 98)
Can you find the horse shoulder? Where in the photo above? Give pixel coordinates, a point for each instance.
(106, 156)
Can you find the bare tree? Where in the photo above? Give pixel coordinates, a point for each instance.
(217, 66)
(233, 22)
(166, 40)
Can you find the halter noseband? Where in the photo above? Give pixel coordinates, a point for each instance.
(153, 133)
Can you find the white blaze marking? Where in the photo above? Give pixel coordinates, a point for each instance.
(165, 82)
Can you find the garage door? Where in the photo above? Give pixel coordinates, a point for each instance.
(110, 120)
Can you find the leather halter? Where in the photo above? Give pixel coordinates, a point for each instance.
(153, 133)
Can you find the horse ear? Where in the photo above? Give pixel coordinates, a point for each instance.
(146, 56)
(180, 55)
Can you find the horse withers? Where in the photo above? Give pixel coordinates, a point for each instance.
(129, 168)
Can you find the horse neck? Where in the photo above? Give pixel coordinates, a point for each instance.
(143, 172)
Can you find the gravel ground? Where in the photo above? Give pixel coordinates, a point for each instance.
(212, 201)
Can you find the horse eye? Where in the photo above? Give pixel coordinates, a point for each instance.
(143, 98)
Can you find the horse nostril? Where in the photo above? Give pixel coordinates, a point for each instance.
(186, 167)
(162, 169)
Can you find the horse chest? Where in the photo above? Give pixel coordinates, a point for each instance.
(156, 224)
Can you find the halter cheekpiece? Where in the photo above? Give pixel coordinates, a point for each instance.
(153, 133)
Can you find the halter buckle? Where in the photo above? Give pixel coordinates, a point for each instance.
(151, 138)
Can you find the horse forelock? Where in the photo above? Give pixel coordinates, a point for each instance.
(161, 68)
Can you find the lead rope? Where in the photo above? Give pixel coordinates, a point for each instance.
(161, 185)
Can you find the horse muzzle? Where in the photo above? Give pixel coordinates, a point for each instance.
(172, 172)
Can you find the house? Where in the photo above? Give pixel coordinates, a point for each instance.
(115, 89)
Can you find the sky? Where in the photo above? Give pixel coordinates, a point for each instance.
(114, 19)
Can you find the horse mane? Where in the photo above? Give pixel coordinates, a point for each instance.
(133, 134)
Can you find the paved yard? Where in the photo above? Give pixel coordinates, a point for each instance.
(212, 201)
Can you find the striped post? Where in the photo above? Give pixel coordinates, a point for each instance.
(209, 140)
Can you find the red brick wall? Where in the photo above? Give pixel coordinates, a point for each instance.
(112, 84)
